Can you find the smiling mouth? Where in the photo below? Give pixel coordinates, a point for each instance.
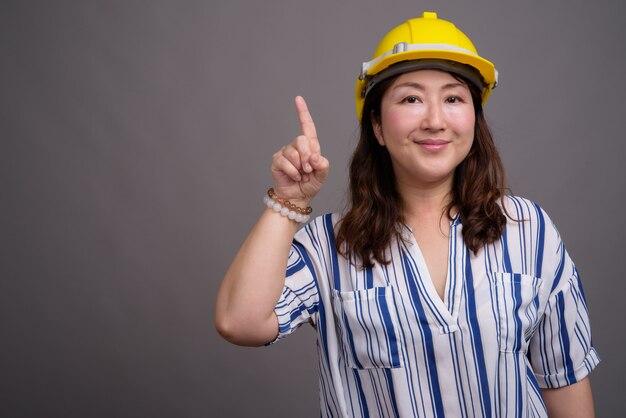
(432, 144)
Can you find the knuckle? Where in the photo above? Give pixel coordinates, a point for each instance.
(300, 140)
(290, 152)
(303, 143)
(279, 153)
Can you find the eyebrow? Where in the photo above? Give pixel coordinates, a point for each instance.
(419, 86)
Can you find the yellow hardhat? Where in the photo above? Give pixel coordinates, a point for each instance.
(425, 42)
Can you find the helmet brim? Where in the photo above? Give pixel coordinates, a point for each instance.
(467, 72)
(426, 58)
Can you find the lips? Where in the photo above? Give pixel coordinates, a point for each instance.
(432, 144)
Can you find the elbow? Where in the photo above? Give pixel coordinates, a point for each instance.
(225, 329)
(238, 334)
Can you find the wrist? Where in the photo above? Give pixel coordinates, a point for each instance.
(300, 203)
(299, 212)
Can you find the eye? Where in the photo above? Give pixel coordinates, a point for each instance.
(454, 99)
(411, 99)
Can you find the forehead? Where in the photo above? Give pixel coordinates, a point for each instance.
(429, 78)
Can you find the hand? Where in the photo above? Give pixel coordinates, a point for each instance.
(299, 169)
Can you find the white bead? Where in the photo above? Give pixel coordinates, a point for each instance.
(284, 211)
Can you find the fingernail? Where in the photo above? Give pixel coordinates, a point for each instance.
(307, 167)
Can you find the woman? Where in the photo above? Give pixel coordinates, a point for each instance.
(435, 294)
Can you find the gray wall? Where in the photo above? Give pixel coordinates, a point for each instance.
(136, 139)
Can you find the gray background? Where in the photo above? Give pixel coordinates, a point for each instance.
(136, 138)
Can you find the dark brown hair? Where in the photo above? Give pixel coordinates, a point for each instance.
(374, 216)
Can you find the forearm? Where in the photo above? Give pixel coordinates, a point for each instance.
(254, 281)
(244, 312)
(573, 401)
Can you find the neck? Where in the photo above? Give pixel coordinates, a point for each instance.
(424, 203)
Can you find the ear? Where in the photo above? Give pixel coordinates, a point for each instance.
(378, 130)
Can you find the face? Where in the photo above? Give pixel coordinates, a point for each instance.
(427, 125)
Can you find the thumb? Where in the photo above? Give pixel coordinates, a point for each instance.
(319, 163)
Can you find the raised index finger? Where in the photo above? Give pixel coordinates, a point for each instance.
(306, 121)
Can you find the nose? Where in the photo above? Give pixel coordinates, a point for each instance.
(433, 119)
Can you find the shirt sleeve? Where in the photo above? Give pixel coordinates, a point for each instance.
(561, 349)
(299, 301)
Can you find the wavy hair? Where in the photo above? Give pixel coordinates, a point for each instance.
(375, 211)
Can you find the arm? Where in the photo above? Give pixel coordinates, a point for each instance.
(244, 312)
(573, 401)
(561, 350)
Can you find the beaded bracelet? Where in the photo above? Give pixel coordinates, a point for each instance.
(286, 208)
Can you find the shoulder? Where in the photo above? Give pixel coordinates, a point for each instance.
(316, 242)
(326, 221)
(519, 205)
(528, 218)
(518, 208)
(320, 231)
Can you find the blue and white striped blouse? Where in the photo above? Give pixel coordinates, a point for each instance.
(513, 319)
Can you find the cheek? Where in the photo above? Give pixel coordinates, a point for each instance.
(395, 122)
(464, 123)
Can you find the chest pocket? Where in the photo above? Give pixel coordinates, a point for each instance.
(368, 327)
(517, 299)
